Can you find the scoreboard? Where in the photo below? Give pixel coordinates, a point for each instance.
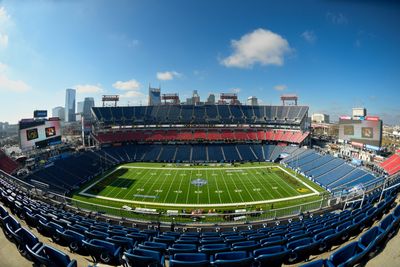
(39, 133)
(364, 130)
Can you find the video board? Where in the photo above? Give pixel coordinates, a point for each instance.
(39, 133)
(367, 131)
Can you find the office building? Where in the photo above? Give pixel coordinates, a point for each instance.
(70, 95)
(88, 103)
(154, 96)
(58, 112)
(211, 99)
(320, 118)
(252, 101)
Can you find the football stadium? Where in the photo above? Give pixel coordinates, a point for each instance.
(166, 178)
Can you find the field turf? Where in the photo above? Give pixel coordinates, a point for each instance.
(163, 185)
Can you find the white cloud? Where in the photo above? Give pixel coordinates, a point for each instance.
(126, 86)
(280, 87)
(132, 94)
(309, 36)
(4, 21)
(236, 90)
(9, 85)
(3, 40)
(134, 97)
(3, 67)
(167, 75)
(260, 46)
(338, 19)
(88, 89)
(4, 16)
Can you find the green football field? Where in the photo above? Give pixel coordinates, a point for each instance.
(170, 185)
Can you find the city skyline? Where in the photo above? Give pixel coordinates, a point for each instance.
(333, 55)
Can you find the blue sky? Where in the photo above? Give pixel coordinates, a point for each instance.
(334, 54)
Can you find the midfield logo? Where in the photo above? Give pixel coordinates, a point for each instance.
(199, 182)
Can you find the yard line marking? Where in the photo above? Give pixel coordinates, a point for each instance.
(252, 184)
(208, 188)
(226, 187)
(117, 185)
(179, 189)
(190, 182)
(279, 180)
(271, 182)
(244, 185)
(315, 192)
(201, 205)
(258, 176)
(193, 169)
(295, 177)
(170, 186)
(130, 176)
(130, 192)
(216, 183)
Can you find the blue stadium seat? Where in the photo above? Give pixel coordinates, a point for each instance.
(245, 246)
(318, 263)
(327, 239)
(25, 239)
(138, 237)
(257, 236)
(232, 259)
(182, 248)
(211, 249)
(11, 225)
(50, 229)
(370, 240)
(48, 256)
(189, 259)
(211, 240)
(273, 241)
(348, 255)
(78, 228)
(143, 258)
(302, 249)
(3, 215)
(387, 226)
(103, 251)
(125, 243)
(210, 234)
(156, 246)
(188, 240)
(95, 234)
(271, 256)
(169, 240)
(234, 238)
(73, 240)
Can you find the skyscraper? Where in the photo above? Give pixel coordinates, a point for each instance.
(79, 107)
(252, 101)
(195, 97)
(59, 112)
(154, 96)
(211, 99)
(88, 103)
(70, 105)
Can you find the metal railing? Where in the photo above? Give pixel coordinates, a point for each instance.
(327, 201)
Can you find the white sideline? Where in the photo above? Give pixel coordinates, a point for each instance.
(315, 192)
